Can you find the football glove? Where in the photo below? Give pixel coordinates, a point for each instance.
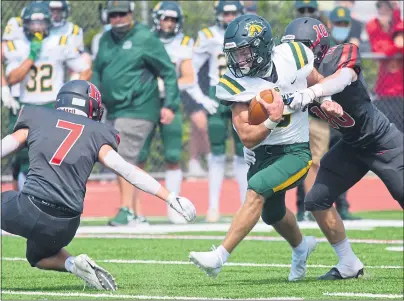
(301, 99)
(183, 206)
(8, 100)
(35, 48)
(249, 156)
(209, 104)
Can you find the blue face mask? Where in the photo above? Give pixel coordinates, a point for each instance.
(107, 27)
(340, 33)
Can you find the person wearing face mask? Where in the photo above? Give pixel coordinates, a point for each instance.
(384, 36)
(129, 61)
(341, 27)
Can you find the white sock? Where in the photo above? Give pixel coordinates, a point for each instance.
(69, 263)
(240, 169)
(344, 251)
(223, 253)
(216, 175)
(173, 180)
(301, 249)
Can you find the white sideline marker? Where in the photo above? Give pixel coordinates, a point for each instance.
(141, 297)
(234, 264)
(365, 295)
(395, 249)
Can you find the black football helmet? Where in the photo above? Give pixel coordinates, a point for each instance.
(82, 98)
(223, 6)
(312, 33)
(248, 46)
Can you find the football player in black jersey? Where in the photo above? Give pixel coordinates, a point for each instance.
(369, 141)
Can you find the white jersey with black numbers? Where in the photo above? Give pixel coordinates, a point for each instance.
(46, 77)
(293, 62)
(209, 46)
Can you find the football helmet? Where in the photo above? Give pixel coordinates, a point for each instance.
(222, 7)
(163, 10)
(312, 33)
(248, 46)
(82, 98)
(60, 11)
(36, 20)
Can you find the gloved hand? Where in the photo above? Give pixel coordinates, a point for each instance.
(36, 45)
(301, 99)
(209, 104)
(183, 206)
(8, 100)
(249, 156)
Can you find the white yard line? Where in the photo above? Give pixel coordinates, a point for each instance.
(141, 297)
(234, 264)
(395, 249)
(365, 295)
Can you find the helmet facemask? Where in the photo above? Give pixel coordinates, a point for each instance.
(59, 13)
(163, 32)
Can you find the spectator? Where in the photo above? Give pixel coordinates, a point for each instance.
(343, 28)
(385, 35)
(129, 61)
(307, 8)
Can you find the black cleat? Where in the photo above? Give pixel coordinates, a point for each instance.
(334, 274)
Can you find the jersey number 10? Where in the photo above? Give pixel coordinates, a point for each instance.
(75, 131)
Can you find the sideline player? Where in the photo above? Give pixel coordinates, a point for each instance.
(280, 144)
(64, 144)
(209, 46)
(369, 142)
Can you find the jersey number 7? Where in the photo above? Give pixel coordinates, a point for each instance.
(75, 131)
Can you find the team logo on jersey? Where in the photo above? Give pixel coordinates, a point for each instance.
(127, 45)
(254, 28)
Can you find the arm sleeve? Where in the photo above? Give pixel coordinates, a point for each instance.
(156, 57)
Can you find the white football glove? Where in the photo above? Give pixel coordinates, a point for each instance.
(249, 156)
(183, 206)
(209, 104)
(302, 99)
(9, 101)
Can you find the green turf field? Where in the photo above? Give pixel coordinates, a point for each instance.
(158, 268)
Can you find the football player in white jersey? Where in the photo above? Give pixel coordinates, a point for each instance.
(209, 47)
(60, 11)
(167, 19)
(280, 144)
(36, 61)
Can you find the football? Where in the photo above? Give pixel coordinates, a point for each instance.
(256, 111)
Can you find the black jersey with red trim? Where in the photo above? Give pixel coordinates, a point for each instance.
(62, 149)
(362, 123)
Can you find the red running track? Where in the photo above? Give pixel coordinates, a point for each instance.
(369, 194)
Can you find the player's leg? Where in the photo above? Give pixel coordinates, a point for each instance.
(172, 141)
(387, 163)
(277, 169)
(240, 167)
(133, 133)
(339, 170)
(217, 129)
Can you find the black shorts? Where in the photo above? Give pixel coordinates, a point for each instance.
(46, 234)
(343, 166)
(190, 105)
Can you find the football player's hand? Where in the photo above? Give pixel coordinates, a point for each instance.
(249, 156)
(8, 100)
(302, 99)
(35, 47)
(332, 108)
(166, 116)
(274, 109)
(209, 104)
(183, 206)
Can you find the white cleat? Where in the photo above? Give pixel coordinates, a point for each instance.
(298, 269)
(208, 262)
(93, 275)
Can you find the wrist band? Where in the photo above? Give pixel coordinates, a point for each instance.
(269, 124)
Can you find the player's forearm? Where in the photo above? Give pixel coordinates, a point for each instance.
(13, 142)
(334, 83)
(17, 75)
(185, 82)
(252, 135)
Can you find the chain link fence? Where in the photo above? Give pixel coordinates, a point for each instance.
(198, 14)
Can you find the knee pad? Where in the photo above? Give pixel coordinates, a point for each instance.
(172, 156)
(273, 214)
(217, 131)
(317, 199)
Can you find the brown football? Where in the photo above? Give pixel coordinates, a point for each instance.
(256, 111)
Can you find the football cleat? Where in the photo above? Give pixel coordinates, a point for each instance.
(209, 262)
(334, 274)
(298, 269)
(93, 275)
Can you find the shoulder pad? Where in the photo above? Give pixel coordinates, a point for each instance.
(231, 89)
(207, 33)
(19, 21)
(299, 54)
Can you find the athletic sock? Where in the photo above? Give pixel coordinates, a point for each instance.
(216, 175)
(240, 169)
(173, 180)
(69, 263)
(301, 249)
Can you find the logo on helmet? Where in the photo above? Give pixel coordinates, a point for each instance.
(254, 28)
